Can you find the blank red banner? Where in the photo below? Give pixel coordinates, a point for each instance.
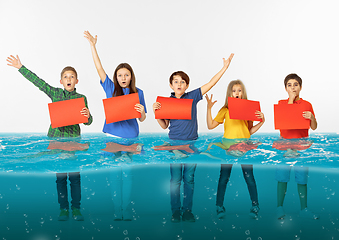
(67, 112)
(174, 108)
(121, 108)
(289, 116)
(243, 109)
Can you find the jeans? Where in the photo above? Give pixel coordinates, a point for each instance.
(74, 178)
(183, 172)
(225, 173)
(121, 186)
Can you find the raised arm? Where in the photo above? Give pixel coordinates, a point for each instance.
(205, 88)
(32, 77)
(92, 41)
(211, 124)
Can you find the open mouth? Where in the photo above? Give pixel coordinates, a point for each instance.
(68, 84)
(237, 97)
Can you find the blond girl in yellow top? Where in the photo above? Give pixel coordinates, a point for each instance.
(234, 130)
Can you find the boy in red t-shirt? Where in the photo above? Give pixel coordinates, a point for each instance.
(293, 85)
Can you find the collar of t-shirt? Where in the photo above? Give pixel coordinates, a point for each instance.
(173, 95)
(67, 93)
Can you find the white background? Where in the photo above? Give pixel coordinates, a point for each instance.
(270, 39)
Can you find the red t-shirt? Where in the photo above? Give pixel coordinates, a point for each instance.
(296, 133)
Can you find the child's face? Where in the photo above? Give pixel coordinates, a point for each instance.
(293, 87)
(124, 77)
(237, 91)
(68, 80)
(178, 85)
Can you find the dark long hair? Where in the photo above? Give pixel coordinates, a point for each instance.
(117, 88)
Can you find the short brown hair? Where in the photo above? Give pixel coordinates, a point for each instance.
(183, 75)
(293, 76)
(69, 68)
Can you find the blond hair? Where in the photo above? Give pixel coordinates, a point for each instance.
(229, 91)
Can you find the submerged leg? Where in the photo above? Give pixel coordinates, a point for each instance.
(127, 179)
(247, 171)
(61, 182)
(281, 193)
(74, 178)
(225, 172)
(188, 175)
(302, 191)
(116, 191)
(175, 183)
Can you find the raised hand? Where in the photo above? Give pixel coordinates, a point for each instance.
(209, 101)
(92, 40)
(14, 61)
(228, 61)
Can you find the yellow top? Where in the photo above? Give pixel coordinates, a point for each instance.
(233, 128)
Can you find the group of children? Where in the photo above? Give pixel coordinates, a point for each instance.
(124, 82)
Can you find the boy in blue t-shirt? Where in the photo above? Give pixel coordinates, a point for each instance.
(185, 130)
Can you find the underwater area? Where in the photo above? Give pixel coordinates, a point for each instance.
(135, 174)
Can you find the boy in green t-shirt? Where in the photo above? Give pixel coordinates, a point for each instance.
(68, 79)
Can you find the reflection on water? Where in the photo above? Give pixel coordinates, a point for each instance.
(36, 153)
(154, 188)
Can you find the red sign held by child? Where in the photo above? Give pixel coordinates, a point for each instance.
(243, 109)
(174, 108)
(67, 112)
(121, 108)
(290, 116)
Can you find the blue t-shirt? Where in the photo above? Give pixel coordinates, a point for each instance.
(127, 128)
(186, 129)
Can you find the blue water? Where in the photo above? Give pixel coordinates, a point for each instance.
(29, 153)
(29, 207)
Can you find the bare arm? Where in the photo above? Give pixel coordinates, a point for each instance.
(310, 116)
(162, 122)
(205, 88)
(92, 41)
(255, 128)
(211, 124)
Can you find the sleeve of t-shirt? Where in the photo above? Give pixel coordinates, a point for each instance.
(108, 86)
(142, 99)
(221, 115)
(195, 95)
